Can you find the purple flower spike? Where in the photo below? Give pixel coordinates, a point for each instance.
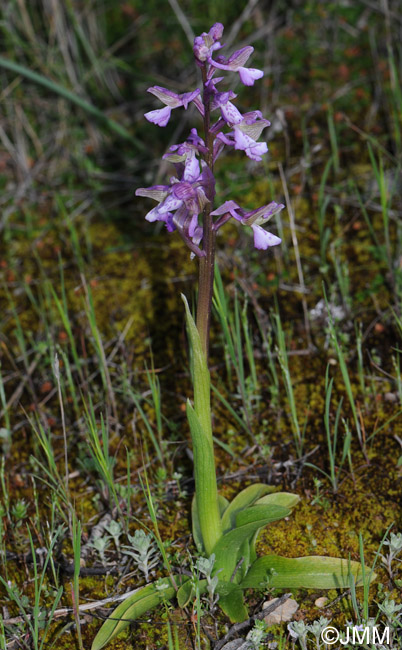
(186, 204)
(172, 100)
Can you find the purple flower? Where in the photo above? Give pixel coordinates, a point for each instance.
(172, 100)
(180, 203)
(197, 141)
(254, 218)
(252, 149)
(229, 112)
(205, 44)
(245, 133)
(235, 63)
(183, 156)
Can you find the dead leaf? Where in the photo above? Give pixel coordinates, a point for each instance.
(282, 613)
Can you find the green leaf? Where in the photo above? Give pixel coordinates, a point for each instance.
(201, 379)
(265, 514)
(245, 553)
(207, 528)
(285, 499)
(138, 603)
(314, 572)
(242, 500)
(229, 549)
(197, 535)
(186, 592)
(261, 513)
(222, 504)
(231, 601)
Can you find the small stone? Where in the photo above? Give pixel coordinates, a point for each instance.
(321, 602)
(282, 613)
(391, 397)
(237, 644)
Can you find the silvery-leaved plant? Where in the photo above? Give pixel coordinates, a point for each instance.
(205, 567)
(101, 544)
(395, 548)
(115, 530)
(298, 630)
(227, 531)
(391, 610)
(143, 551)
(316, 627)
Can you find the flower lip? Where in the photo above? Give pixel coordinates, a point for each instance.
(264, 239)
(254, 150)
(160, 116)
(183, 191)
(249, 75)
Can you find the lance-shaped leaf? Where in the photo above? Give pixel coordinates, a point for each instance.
(228, 550)
(208, 527)
(245, 498)
(285, 499)
(263, 513)
(141, 601)
(314, 572)
(246, 558)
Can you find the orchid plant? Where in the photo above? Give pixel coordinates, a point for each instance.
(224, 532)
